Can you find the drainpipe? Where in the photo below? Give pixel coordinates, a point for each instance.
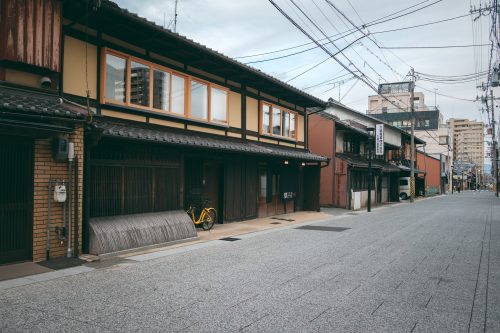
(71, 155)
(75, 217)
(47, 245)
(349, 187)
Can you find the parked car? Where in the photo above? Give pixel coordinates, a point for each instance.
(404, 188)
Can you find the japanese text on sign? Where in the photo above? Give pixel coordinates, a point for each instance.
(379, 139)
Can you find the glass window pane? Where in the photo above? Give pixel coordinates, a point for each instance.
(292, 125)
(139, 84)
(178, 86)
(276, 121)
(115, 78)
(285, 123)
(161, 90)
(199, 100)
(263, 185)
(265, 119)
(218, 107)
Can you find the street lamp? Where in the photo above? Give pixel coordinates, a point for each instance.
(370, 131)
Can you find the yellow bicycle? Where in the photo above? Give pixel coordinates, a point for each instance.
(206, 219)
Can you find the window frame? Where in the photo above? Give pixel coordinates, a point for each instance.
(271, 116)
(103, 77)
(156, 67)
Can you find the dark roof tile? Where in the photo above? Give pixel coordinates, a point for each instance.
(187, 139)
(12, 99)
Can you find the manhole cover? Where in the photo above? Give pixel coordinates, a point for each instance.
(321, 228)
(230, 239)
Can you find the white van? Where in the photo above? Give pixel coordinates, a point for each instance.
(404, 188)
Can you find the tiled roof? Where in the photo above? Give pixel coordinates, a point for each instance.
(361, 162)
(25, 101)
(196, 140)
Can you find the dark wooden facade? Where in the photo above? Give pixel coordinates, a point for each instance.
(30, 33)
(16, 199)
(132, 178)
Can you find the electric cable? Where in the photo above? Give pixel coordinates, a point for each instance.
(346, 33)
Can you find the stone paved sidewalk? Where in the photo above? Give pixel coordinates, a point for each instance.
(432, 266)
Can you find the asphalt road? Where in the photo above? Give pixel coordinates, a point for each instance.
(431, 266)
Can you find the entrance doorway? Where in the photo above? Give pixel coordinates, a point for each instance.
(204, 181)
(16, 199)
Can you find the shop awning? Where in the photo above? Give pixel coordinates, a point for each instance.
(201, 141)
(357, 161)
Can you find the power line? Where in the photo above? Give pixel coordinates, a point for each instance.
(327, 81)
(462, 75)
(321, 62)
(347, 33)
(431, 47)
(447, 96)
(309, 69)
(399, 11)
(361, 78)
(421, 25)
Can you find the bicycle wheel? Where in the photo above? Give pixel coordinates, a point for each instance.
(209, 219)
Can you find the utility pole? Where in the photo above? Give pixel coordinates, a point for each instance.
(370, 131)
(495, 154)
(412, 144)
(435, 98)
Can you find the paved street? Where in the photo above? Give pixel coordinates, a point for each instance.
(433, 266)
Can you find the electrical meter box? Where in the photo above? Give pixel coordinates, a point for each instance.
(60, 193)
(60, 148)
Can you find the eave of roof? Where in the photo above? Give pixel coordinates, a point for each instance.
(32, 102)
(331, 101)
(201, 141)
(361, 162)
(360, 131)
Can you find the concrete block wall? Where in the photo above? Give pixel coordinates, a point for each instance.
(46, 168)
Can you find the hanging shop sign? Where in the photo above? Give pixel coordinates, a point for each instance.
(379, 139)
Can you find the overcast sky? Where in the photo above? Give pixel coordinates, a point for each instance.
(240, 28)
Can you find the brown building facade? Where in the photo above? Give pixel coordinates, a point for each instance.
(158, 122)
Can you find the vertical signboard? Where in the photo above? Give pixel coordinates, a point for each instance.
(379, 139)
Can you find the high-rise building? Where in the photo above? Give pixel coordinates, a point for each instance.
(468, 141)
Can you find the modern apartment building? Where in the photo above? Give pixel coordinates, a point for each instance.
(468, 141)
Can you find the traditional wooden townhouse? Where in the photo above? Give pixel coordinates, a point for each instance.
(157, 122)
(41, 136)
(345, 136)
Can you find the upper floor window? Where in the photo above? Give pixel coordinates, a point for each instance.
(138, 83)
(218, 104)
(277, 121)
(116, 76)
(161, 90)
(351, 144)
(199, 100)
